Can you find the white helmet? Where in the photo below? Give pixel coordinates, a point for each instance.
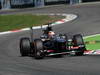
(51, 33)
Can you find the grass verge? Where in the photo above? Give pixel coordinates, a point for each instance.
(93, 45)
(18, 21)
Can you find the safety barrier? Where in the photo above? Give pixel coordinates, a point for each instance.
(89, 0)
(53, 2)
(21, 3)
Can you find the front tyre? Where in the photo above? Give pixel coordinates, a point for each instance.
(25, 46)
(39, 52)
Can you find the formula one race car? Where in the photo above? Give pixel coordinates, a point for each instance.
(51, 44)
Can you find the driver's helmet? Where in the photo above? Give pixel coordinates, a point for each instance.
(51, 33)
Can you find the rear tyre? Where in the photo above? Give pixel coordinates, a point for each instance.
(39, 52)
(25, 46)
(78, 41)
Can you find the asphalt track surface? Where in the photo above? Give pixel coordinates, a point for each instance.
(87, 23)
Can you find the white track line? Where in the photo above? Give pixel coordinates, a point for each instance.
(68, 17)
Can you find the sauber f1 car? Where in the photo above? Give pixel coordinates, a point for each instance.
(51, 44)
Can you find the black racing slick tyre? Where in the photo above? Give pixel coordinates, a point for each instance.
(79, 53)
(78, 41)
(39, 52)
(25, 46)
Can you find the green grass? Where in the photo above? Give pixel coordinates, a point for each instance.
(92, 46)
(18, 21)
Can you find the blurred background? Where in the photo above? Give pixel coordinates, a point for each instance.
(10, 4)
